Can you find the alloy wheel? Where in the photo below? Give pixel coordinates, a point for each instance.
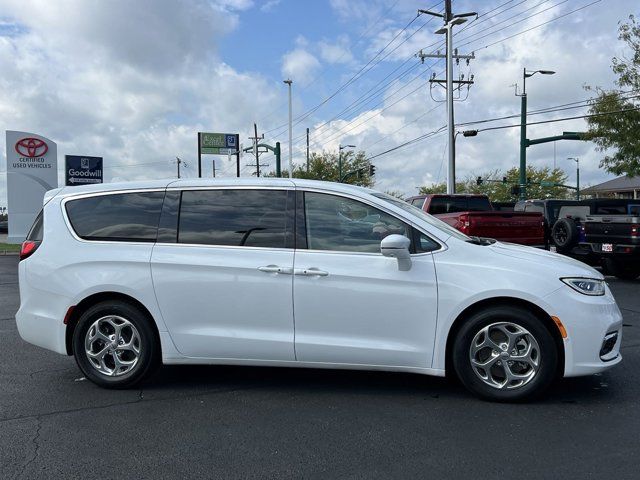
(112, 345)
(504, 355)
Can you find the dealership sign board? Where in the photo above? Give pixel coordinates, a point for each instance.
(32, 169)
(218, 143)
(82, 170)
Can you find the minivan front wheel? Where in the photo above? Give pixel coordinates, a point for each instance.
(505, 354)
(114, 344)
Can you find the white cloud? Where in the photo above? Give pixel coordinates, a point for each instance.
(338, 52)
(130, 81)
(299, 65)
(270, 5)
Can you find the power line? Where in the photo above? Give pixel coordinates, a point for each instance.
(513, 23)
(393, 94)
(566, 106)
(351, 80)
(541, 24)
(409, 142)
(324, 71)
(577, 117)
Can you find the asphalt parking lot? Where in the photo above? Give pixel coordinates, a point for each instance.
(223, 422)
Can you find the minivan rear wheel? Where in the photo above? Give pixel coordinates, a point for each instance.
(114, 345)
(505, 354)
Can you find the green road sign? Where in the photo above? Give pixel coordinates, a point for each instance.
(218, 143)
(547, 184)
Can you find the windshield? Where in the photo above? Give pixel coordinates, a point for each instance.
(430, 219)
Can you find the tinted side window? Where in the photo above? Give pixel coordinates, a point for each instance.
(252, 218)
(534, 208)
(438, 205)
(122, 217)
(342, 224)
(423, 243)
(478, 204)
(459, 204)
(36, 232)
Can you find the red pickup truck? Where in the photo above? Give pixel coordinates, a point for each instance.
(475, 216)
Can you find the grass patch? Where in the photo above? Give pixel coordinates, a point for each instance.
(9, 247)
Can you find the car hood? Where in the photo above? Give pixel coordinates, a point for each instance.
(552, 262)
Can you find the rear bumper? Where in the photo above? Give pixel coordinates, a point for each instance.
(40, 317)
(619, 250)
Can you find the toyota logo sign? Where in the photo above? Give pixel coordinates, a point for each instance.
(31, 147)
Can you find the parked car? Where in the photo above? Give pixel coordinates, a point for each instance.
(128, 276)
(564, 221)
(475, 216)
(615, 239)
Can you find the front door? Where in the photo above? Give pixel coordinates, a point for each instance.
(351, 304)
(223, 280)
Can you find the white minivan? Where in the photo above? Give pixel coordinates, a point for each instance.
(298, 273)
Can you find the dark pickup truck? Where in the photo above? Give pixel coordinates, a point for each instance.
(475, 216)
(615, 239)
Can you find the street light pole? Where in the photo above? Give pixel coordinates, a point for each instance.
(289, 82)
(577, 160)
(340, 148)
(523, 129)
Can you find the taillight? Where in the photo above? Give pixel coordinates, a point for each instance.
(464, 223)
(27, 249)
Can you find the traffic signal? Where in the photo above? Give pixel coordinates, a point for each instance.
(372, 170)
(479, 181)
(504, 179)
(515, 190)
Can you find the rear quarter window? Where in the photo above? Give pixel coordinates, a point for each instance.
(121, 217)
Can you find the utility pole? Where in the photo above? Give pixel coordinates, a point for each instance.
(307, 149)
(289, 82)
(255, 139)
(449, 21)
(178, 162)
(214, 169)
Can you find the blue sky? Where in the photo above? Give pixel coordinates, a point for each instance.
(134, 81)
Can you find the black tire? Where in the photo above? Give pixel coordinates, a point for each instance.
(622, 270)
(565, 233)
(147, 358)
(547, 356)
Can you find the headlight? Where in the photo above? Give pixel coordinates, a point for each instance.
(587, 286)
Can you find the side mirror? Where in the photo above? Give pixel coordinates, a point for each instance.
(397, 246)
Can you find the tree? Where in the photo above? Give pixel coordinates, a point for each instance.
(619, 132)
(324, 166)
(499, 191)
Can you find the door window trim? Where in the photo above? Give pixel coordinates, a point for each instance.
(289, 216)
(301, 230)
(67, 221)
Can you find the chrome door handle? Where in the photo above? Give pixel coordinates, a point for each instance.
(276, 269)
(310, 272)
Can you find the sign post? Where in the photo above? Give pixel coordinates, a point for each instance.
(218, 144)
(80, 170)
(32, 169)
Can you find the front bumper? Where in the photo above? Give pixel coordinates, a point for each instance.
(588, 320)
